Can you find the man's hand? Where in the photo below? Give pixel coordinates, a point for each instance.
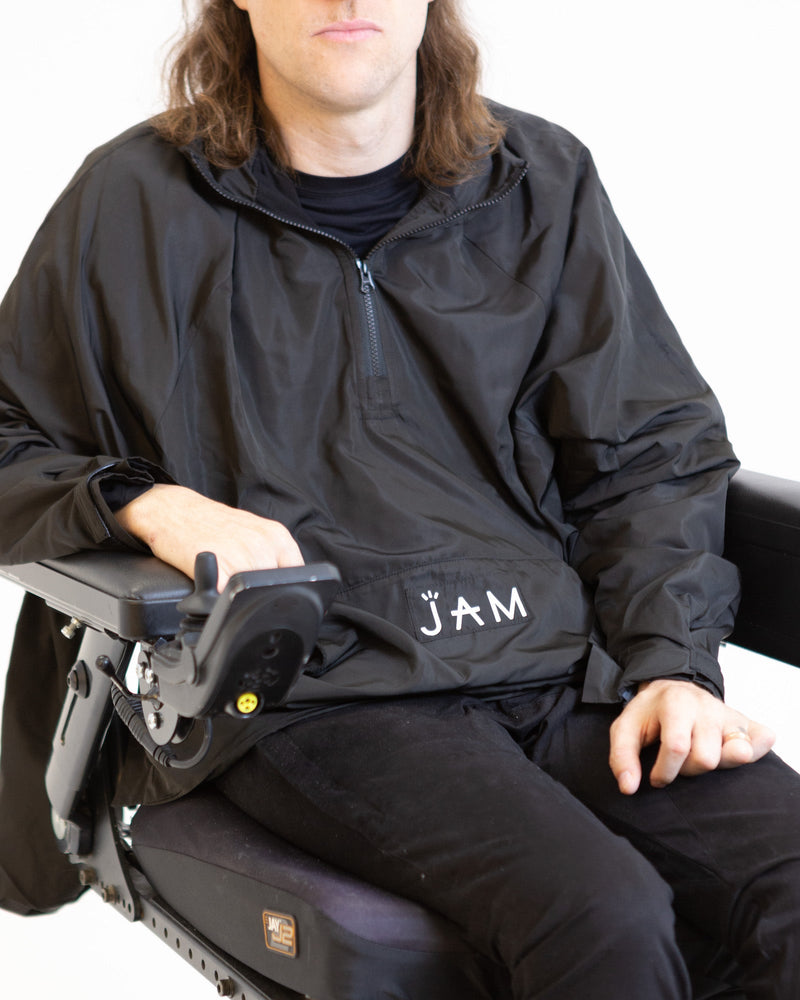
(698, 733)
(178, 523)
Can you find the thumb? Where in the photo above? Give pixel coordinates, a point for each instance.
(626, 746)
(625, 764)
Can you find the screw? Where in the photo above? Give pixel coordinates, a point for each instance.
(110, 894)
(104, 664)
(70, 630)
(78, 679)
(150, 676)
(87, 876)
(226, 987)
(154, 720)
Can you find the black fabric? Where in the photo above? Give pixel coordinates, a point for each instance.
(358, 210)
(119, 491)
(221, 871)
(496, 416)
(452, 459)
(34, 876)
(505, 818)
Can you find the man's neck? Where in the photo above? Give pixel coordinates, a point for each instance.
(336, 142)
(344, 147)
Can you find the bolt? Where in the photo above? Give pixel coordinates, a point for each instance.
(78, 679)
(154, 720)
(150, 676)
(104, 665)
(110, 894)
(70, 630)
(87, 876)
(226, 987)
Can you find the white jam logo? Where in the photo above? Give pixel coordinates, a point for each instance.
(280, 932)
(478, 615)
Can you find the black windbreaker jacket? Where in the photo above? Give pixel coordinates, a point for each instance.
(488, 424)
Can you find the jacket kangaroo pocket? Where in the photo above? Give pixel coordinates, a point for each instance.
(490, 620)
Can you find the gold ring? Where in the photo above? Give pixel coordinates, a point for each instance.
(740, 733)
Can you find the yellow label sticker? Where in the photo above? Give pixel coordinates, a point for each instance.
(280, 932)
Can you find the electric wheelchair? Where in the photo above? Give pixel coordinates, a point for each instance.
(255, 916)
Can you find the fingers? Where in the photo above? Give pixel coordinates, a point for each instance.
(662, 710)
(745, 741)
(255, 545)
(630, 733)
(677, 754)
(737, 746)
(628, 774)
(696, 731)
(762, 738)
(178, 523)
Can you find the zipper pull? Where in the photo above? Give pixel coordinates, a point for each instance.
(366, 277)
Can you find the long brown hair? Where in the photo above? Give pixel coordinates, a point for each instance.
(214, 94)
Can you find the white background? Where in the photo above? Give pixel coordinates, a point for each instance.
(690, 109)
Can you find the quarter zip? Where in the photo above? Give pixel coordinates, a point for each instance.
(374, 348)
(376, 361)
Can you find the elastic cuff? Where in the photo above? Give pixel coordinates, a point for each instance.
(669, 660)
(607, 682)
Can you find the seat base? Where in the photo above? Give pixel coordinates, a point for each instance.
(294, 919)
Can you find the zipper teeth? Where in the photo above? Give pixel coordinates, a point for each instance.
(456, 215)
(377, 364)
(381, 243)
(265, 211)
(367, 283)
(378, 367)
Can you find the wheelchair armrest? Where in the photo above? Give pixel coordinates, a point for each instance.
(252, 640)
(127, 594)
(239, 653)
(762, 537)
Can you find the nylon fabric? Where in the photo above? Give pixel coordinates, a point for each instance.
(484, 489)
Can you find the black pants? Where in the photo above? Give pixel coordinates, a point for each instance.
(504, 816)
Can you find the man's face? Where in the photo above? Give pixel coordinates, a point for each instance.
(338, 55)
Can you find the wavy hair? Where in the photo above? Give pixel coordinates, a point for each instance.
(214, 94)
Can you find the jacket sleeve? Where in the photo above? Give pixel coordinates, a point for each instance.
(642, 462)
(62, 439)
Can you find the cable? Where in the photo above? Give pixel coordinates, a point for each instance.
(130, 711)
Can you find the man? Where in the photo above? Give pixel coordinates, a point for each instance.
(360, 315)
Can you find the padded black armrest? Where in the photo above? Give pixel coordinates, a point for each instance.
(762, 537)
(129, 595)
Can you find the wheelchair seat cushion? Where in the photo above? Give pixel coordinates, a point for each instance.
(293, 918)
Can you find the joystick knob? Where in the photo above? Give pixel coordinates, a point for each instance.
(200, 603)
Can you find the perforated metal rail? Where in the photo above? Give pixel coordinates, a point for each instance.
(228, 977)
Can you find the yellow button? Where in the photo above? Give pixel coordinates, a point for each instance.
(247, 703)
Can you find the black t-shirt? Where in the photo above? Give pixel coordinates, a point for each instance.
(358, 210)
